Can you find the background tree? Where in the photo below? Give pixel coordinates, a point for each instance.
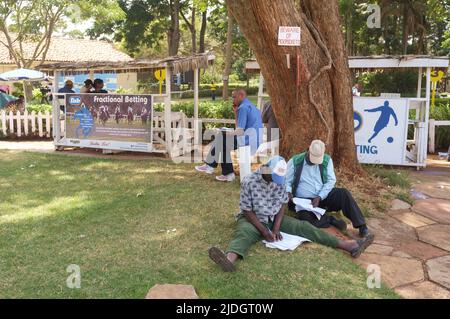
(30, 21)
(228, 55)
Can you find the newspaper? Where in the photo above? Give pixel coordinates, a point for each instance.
(305, 204)
(289, 242)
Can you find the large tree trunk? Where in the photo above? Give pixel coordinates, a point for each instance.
(174, 30)
(228, 56)
(201, 48)
(318, 104)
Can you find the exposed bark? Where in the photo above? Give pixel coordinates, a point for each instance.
(173, 37)
(228, 56)
(201, 48)
(319, 105)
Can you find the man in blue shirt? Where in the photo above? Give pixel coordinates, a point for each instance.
(248, 132)
(311, 175)
(68, 88)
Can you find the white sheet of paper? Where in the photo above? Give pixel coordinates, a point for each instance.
(289, 242)
(305, 204)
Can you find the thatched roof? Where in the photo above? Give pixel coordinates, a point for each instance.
(177, 64)
(70, 50)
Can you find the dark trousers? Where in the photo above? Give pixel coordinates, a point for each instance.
(338, 199)
(221, 152)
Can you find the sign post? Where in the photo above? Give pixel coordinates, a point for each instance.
(160, 75)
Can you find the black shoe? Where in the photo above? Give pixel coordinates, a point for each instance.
(221, 259)
(338, 223)
(362, 245)
(363, 231)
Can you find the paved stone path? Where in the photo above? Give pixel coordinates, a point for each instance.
(412, 244)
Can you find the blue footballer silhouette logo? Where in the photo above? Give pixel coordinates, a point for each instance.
(383, 121)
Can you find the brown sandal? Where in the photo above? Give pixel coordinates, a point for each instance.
(221, 259)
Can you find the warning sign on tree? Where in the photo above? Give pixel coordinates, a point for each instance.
(289, 36)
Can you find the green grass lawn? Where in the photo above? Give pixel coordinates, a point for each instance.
(132, 224)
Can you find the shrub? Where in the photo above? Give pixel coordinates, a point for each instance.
(39, 108)
(205, 91)
(206, 109)
(37, 94)
(404, 82)
(441, 112)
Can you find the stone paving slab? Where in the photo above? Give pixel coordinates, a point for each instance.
(439, 270)
(436, 209)
(395, 271)
(401, 254)
(436, 235)
(398, 204)
(421, 250)
(413, 220)
(389, 231)
(379, 249)
(432, 183)
(423, 290)
(168, 291)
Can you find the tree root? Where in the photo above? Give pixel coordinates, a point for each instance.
(311, 27)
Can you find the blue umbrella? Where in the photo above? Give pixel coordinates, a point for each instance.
(22, 75)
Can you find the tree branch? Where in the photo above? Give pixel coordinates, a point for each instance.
(187, 21)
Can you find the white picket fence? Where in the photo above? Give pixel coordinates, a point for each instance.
(25, 124)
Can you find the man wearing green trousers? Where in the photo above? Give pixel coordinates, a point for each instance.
(263, 202)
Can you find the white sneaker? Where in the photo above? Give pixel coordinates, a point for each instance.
(226, 178)
(205, 169)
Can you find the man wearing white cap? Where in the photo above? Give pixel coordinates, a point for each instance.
(263, 202)
(311, 175)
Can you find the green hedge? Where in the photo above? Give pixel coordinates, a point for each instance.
(441, 112)
(206, 109)
(205, 91)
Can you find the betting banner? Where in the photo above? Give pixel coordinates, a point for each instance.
(109, 121)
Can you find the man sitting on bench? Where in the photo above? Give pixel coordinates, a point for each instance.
(248, 132)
